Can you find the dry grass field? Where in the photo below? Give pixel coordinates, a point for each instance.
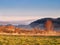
(29, 40)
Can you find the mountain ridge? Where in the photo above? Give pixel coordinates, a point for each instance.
(41, 22)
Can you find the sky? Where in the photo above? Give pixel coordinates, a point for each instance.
(13, 10)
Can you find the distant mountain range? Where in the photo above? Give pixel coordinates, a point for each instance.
(32, 24)
(19, 24)
(40, 23)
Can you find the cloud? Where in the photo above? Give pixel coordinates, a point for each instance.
(15, 15)
(17, 18)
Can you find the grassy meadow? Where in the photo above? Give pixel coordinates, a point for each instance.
(29, 40)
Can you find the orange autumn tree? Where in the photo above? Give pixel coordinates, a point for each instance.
(49, 25)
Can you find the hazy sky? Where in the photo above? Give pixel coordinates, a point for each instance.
(28, 9)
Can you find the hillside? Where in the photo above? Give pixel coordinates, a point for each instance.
(41, 22)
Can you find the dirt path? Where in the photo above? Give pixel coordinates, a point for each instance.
(29, 34)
